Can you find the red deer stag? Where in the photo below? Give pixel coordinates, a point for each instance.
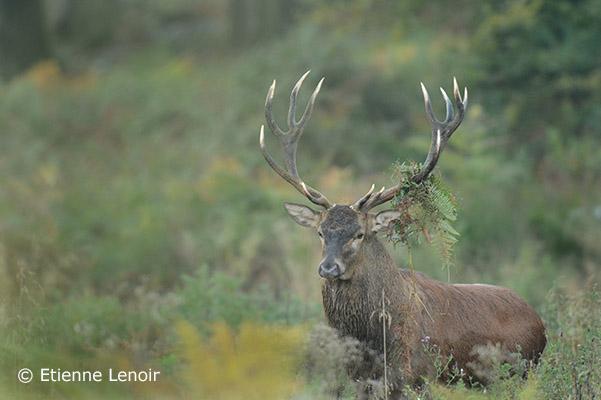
(456, 318)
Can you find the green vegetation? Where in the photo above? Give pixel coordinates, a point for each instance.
(428, 209)
(140, 227)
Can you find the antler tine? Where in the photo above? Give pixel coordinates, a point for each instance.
(449, 106)
(380, 197)
(292, 109)
(280, 171)
(428, 104)
(461, 104)
(441, 132)
(289, 141)
(359, 203)
(273, 126)
(309, 108)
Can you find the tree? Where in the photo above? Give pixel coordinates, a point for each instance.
(23, 35)
(541, 59)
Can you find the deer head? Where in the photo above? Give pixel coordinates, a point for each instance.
(345, 229)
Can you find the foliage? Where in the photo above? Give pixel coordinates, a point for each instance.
(207, 298)
(559, 67)
(102, 332)
(571, 363)
(427, 209)
(257, 362)
(329, 360)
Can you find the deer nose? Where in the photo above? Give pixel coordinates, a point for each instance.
(329, 270)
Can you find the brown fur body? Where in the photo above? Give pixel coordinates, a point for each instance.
(455, 318)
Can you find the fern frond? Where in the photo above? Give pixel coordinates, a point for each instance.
(427, 207)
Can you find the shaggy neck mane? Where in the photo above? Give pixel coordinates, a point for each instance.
(347, 302)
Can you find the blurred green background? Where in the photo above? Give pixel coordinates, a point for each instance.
(140, 225)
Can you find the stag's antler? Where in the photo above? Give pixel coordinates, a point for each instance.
(289, 141)
(441, 132)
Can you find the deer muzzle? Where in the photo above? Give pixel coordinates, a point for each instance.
(331, 269)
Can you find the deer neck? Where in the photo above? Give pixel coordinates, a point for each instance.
(351, 305)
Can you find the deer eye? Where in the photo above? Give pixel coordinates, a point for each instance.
(319, 234)
(359, 236)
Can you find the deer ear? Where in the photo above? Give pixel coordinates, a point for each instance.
(382, 220)
(303, 215)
